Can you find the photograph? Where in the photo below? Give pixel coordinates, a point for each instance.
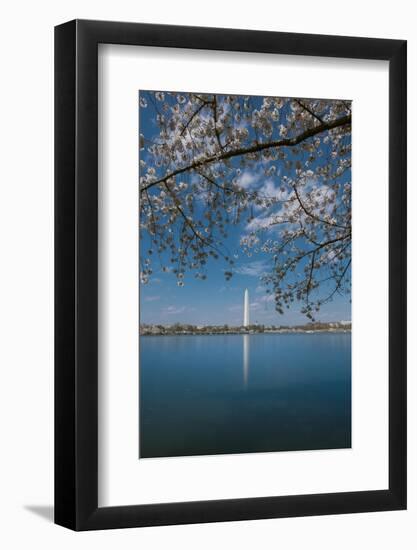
(209, 238)
(245, 243)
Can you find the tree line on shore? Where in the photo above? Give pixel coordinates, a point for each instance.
(179, 328)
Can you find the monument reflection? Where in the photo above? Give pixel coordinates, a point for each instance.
(245, 359)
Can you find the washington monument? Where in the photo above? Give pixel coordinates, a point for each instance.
(246, 309)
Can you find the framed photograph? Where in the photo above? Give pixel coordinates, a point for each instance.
(230, 244)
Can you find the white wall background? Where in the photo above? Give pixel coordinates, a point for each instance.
(26, 273)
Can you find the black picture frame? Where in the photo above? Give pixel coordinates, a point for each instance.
(76, 271)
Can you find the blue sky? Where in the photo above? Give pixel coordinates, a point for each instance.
(214, 300)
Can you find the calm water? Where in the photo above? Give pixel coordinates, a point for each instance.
(244, 393)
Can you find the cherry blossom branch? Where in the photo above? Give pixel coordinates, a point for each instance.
(286, 142)
(309, 111)
(310, 277)
(338, 283)
(190, 225)
(201, 107)
(216, 130)
(310, 215)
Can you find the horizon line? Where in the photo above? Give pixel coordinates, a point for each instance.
(342, 321)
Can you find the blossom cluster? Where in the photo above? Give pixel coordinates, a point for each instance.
(275, 166)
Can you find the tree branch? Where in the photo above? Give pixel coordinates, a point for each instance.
(214, 105)
(287, 142)
(190, 225)
(338, 283)
(310, 215)
(309, 111)
(310, 277)
(194, 115)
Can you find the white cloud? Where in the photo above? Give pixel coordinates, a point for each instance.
(261, 302)
(154, 280)
(268, 189)
(176, 310)
(252, 269)
(228, 288)
(247, 179)
(152, 298)
(173, 310)
(269, 219)
(267, 298)
(265, 221)
(237, 307)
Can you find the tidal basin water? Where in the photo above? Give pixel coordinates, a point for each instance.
(244, 393)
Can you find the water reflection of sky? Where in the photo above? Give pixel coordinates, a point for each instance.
(245, 359)
(244, 393)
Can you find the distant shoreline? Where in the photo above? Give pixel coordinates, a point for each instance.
(327, 331)
(181, 330)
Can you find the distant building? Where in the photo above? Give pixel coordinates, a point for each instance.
(246, 322)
